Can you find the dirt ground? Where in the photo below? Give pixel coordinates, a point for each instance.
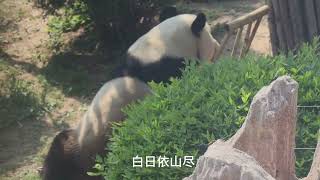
(23, 35)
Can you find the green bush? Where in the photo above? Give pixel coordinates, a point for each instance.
(51, 6)
(18, 102)
(209, 102)
(21, 99)
(70, 18)
(119, 22)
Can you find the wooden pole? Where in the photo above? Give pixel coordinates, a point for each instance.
(223, 44)
(246, 39)
(255, 28)
(237, 25)
(246, 19)
(236, 42)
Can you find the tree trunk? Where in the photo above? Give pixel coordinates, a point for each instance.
(273, 29)
(310, 19)
(293, 22)
(286, 23)
(317, 11)
(279, 28)
(297, 22)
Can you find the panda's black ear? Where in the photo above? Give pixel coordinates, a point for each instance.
(167, 12)
(198, 24)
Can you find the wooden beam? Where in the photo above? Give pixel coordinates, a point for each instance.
(236, 42)
(246, 39)
(253, 34)
(223, 44)
(246, 19)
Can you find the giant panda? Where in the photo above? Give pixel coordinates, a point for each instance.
(73, 151)
(160, 53)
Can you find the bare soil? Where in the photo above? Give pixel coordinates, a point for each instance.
(23, 37)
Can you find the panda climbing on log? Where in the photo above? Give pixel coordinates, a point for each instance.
(160, 53)
(73, 151)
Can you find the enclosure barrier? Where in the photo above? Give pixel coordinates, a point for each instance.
(237, 25)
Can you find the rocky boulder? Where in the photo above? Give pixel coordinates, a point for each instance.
(263, 148)
(314, 173)
(222, 162)
(268, 134)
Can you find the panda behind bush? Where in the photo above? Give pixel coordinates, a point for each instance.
(157, 56)
(160, 53)
(73, 151)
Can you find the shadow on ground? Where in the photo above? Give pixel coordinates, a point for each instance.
(78, 74)
(22, 143)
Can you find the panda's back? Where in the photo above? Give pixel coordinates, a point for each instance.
(171, 38)
(107, 105)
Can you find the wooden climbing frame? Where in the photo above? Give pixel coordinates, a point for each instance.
(237, 26)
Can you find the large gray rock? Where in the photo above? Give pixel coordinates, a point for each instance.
(263, 148)
(314, 173)
(268, 134)
(222, 162)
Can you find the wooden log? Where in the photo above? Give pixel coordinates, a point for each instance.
(273, 30)
(310, 19)
(249, 28)
(223, 44)
(236, 42)
(296, 17)
(246, 39)
(253, 33)
(246, 19)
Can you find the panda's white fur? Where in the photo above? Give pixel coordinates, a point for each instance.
(160, 53)
(73, 151)
(174, 38)
(106, 107)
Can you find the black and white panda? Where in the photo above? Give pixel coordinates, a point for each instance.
(73, 151)
(160, 53)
